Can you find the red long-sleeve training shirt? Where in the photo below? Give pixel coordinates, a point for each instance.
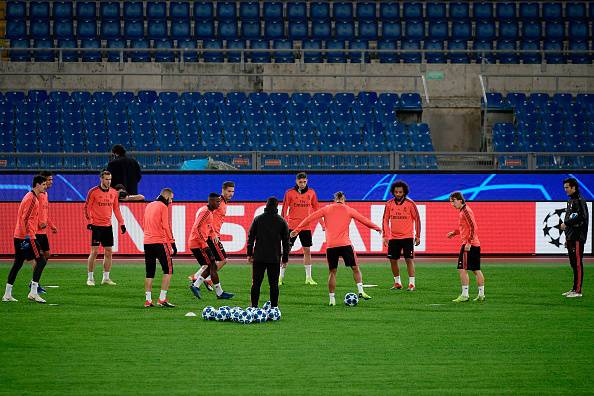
(467, 228)
(401, 218)
(99, 205)
(27, 216)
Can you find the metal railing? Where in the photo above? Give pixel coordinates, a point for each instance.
(293, 160)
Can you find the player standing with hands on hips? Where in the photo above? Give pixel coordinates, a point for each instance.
(470, 251)
(575, 225)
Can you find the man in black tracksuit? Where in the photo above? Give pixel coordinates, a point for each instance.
(575, 226)
(124, 170)
(268, 231)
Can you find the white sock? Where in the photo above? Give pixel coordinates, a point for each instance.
(208, 277)
(465, 291)
(218, 289)
(332, 298)
(105, 275)
(8, 291)
(198, 282)
(283, 272)
(34, 286)
(90, 276)
(148, 296)
(163, 295)
(481, 291)
(308, 271)
(360, 287)
(411, 280)
(397, 279)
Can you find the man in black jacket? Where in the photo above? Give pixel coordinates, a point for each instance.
(575, 226)
(268, 231)
(124, 170)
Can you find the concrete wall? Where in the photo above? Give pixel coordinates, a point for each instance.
(453, 111)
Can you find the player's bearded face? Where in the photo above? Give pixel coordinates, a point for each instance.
(106, 181)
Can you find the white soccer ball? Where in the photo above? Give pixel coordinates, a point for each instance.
(351, 299)
(260, 315)
(274, 314)
(236, 313)
(223, 314)
(267, 305)
(209, 313)
(246, 317)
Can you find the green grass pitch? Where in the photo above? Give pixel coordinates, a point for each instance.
(525, 339)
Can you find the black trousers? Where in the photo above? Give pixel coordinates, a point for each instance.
(273, 270)
(575, 249)
(20, 255)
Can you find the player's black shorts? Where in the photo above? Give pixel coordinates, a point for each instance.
(43, 242)
(217, 249)
(204, 256)
(404, 246)
(154, 252)
(346, 252)
(33, 251)
(470, 260)
(101, 235)
(304, 238)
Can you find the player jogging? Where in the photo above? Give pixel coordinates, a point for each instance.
(337, 217)
(470, 251)
(158, 245)
(401, 220)
(26, 246)
(299, 202)
(575, 226)
(44, 222)
(198, 244)
(214, 243)
(101, 201)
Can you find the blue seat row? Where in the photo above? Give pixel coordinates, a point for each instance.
(340, 10)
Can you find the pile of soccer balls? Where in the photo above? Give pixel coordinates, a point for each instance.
(244, 316)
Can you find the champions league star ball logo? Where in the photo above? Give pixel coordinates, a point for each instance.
(552, 223)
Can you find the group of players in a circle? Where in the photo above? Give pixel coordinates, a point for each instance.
(401, 230)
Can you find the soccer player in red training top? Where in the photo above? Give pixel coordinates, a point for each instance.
(198, 244)
(158, 245)
(26, 246)
(470, 251)
(101, 201)
(337, 217)
(215, 245)
(401, 220)
(44, 222)
(299, 202)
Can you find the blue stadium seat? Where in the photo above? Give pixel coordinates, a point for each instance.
(63, 29)
(179, 10)
(109, 10)
(275, 29)
(39, 10)
(124, 96)
(213, 56)
(357, 57)
(156, 10)
(410, 57)
(102, 97)
(414, 29)
(296, 11)
(345, 30)
(235, 57)
(411, 102)
(249, 10)
(529, 11)
(21, 55)
(37, 95)
(43, 56)
(90, 56)
(531, 30)
(505, 11)
(319, 10)
(387, 57)
(555, 30)
(62, 10)
(487, 55)
(321, 30)
(16, 29)
(578, 30)
(552, 11)
(164, 56)
(16, 10)
(203, 10)
(508, 30)
(204, 29)
(139, 56)
(59, 96)
(14, 97)
(133, 10)
(86, 10)
(168, 97)
(459, 10)
(260, 57)
(581, 57)
(133, 29)
(226, 10)
(298, 30)
(227, 29)
(575, 10)
(250, 29)
(189, 44)
(312, 56)
(554, 57)
(365, 10)
(458, 57)
(434, 57)
(389, 10)
(181, 29)
(391, 30)
(156, 29)
(86, 29)
(507, 57)
(412, 10)
(110, 30)
(461, 30)
(342, 11)
(368, 30)
(438, 29)
(495, 101)
(336, 56)
(283, 57)
(273, 10)
(435, 11)
(485, 30)
(483, 11)
(39, 29)
(515, 99)
(530, 58)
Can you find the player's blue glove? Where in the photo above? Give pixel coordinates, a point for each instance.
(26, 244)
(123, 228)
